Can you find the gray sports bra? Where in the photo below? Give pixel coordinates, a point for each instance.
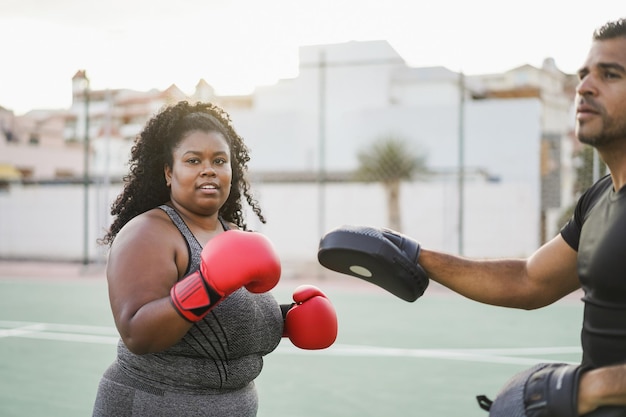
(222, 351)
(193, 246)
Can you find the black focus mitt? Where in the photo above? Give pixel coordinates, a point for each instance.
(383, 257)
(545, 390)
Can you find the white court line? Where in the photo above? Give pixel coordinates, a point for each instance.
(109, 336)
(21, 330)
(60, 332)
(469, 355)
(72, 337)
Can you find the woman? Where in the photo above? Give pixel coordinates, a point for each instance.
(182, 196)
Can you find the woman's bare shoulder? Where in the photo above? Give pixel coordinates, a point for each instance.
(150, 241)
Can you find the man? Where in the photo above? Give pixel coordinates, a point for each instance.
(590, 252)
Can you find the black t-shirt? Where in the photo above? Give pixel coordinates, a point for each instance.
(597, 231)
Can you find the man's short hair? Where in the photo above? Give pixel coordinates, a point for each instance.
(611, 30)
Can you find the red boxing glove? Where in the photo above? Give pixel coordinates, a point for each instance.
(229, 261)
(311, 323)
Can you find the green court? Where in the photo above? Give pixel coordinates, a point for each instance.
(391, 358)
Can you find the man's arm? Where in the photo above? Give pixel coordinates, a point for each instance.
(602, 387)
(546, 276)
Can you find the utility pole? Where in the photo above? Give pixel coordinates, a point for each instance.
(321, 177)
(86, 174)
(461, 173)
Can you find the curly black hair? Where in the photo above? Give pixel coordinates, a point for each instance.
(145, 187)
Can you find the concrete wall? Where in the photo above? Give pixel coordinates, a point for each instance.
(501, 219)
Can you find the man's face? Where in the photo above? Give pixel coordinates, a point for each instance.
(601, 94)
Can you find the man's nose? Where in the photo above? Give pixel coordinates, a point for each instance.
(586, 86)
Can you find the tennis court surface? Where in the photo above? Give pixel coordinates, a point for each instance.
(427, 358)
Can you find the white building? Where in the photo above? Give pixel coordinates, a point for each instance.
(511, 131)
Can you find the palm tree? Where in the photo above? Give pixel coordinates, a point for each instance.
(390, 160)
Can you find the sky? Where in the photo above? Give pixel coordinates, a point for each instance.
(237, 45)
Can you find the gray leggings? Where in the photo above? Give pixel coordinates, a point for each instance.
(121, 396)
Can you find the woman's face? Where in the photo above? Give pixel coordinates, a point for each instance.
(201, 173)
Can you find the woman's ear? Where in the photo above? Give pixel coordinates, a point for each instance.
(167, 171)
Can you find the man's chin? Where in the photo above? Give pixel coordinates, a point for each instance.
(588, 140)
(586, 136)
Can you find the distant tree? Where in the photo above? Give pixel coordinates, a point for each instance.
(390, 160)
(585, 167)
